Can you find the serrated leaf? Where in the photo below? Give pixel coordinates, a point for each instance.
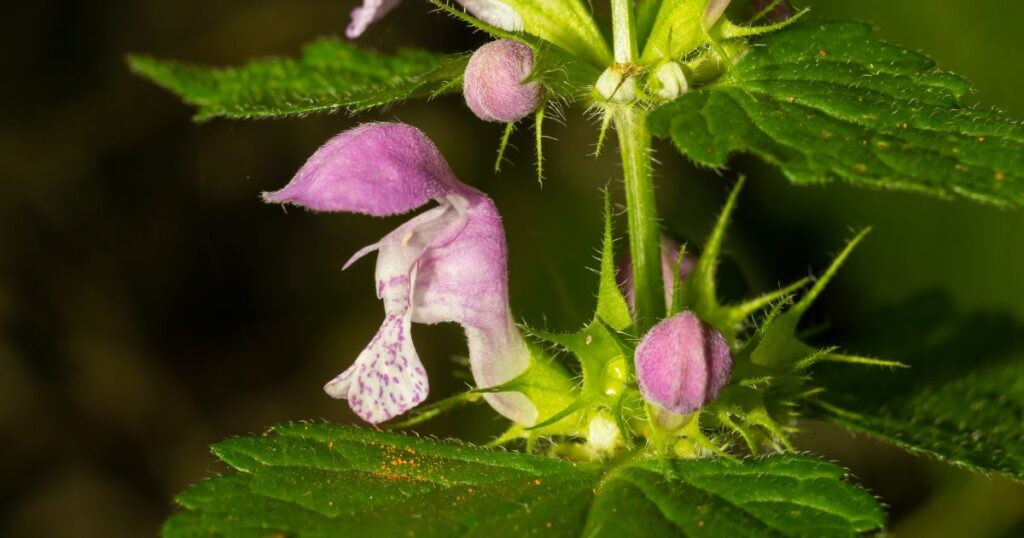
(332, 75)
(326, 480)
(961, 400)
(828, 101)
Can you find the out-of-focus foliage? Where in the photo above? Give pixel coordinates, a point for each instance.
(961, 400)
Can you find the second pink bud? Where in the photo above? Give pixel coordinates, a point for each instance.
(494, 82)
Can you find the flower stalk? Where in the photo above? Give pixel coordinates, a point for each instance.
(641, 206)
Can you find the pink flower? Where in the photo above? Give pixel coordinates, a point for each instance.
(493, 83)
(493, 12)
(682, 364)
(447, 264)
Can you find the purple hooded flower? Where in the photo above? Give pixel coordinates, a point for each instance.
(493, 12)
(682, 364)
(447, 264)
(493, 83)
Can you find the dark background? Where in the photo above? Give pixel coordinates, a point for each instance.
(150, 304)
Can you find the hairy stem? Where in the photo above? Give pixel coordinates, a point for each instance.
(623, 31)
(635, 145)
(644, 232)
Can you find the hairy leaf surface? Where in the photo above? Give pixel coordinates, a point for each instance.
(327, 480)
(961, 400)
(332, 75)
(828, 101)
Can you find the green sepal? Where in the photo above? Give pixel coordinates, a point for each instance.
(612, 307)
(546, 384)
(678, 30)
(565, 76)
(779, 345)
(566, 24)
(699, 291)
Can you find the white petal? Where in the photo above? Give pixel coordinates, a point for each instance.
(387, 378)
(495, 13)
(370, 12)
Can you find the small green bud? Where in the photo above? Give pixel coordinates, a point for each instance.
(616, 85)
(668, 81)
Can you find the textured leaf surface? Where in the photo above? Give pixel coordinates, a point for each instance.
(962, 399)
(827, 101)
(327, 480)
(332, 75)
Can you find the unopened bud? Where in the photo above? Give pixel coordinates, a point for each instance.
(615, 86)
(682, 364)
(493, 83)
(668, 81)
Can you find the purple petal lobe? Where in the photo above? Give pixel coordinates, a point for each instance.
(370, 12)
(493, 83)
(682, 364)
(377, 169)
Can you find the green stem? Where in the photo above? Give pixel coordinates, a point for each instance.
(642, 211)
(623, 31)
(635, 146)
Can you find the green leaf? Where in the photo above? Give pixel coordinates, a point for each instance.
(332, 75)
(326, 480)
(961, 400)
(828, 101)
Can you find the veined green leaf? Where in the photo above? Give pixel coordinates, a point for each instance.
(828, 101)
(961, 400)
(332, 75)
(325, 480)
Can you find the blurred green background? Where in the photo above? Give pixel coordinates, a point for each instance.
(150, 304)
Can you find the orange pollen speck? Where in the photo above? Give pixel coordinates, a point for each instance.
(536, 482)
(1000, 176)
(822, 53)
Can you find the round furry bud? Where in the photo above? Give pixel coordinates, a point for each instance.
(682, 364)
(493, 83)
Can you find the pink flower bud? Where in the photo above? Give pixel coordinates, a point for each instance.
(493, 84)
(682, 364)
